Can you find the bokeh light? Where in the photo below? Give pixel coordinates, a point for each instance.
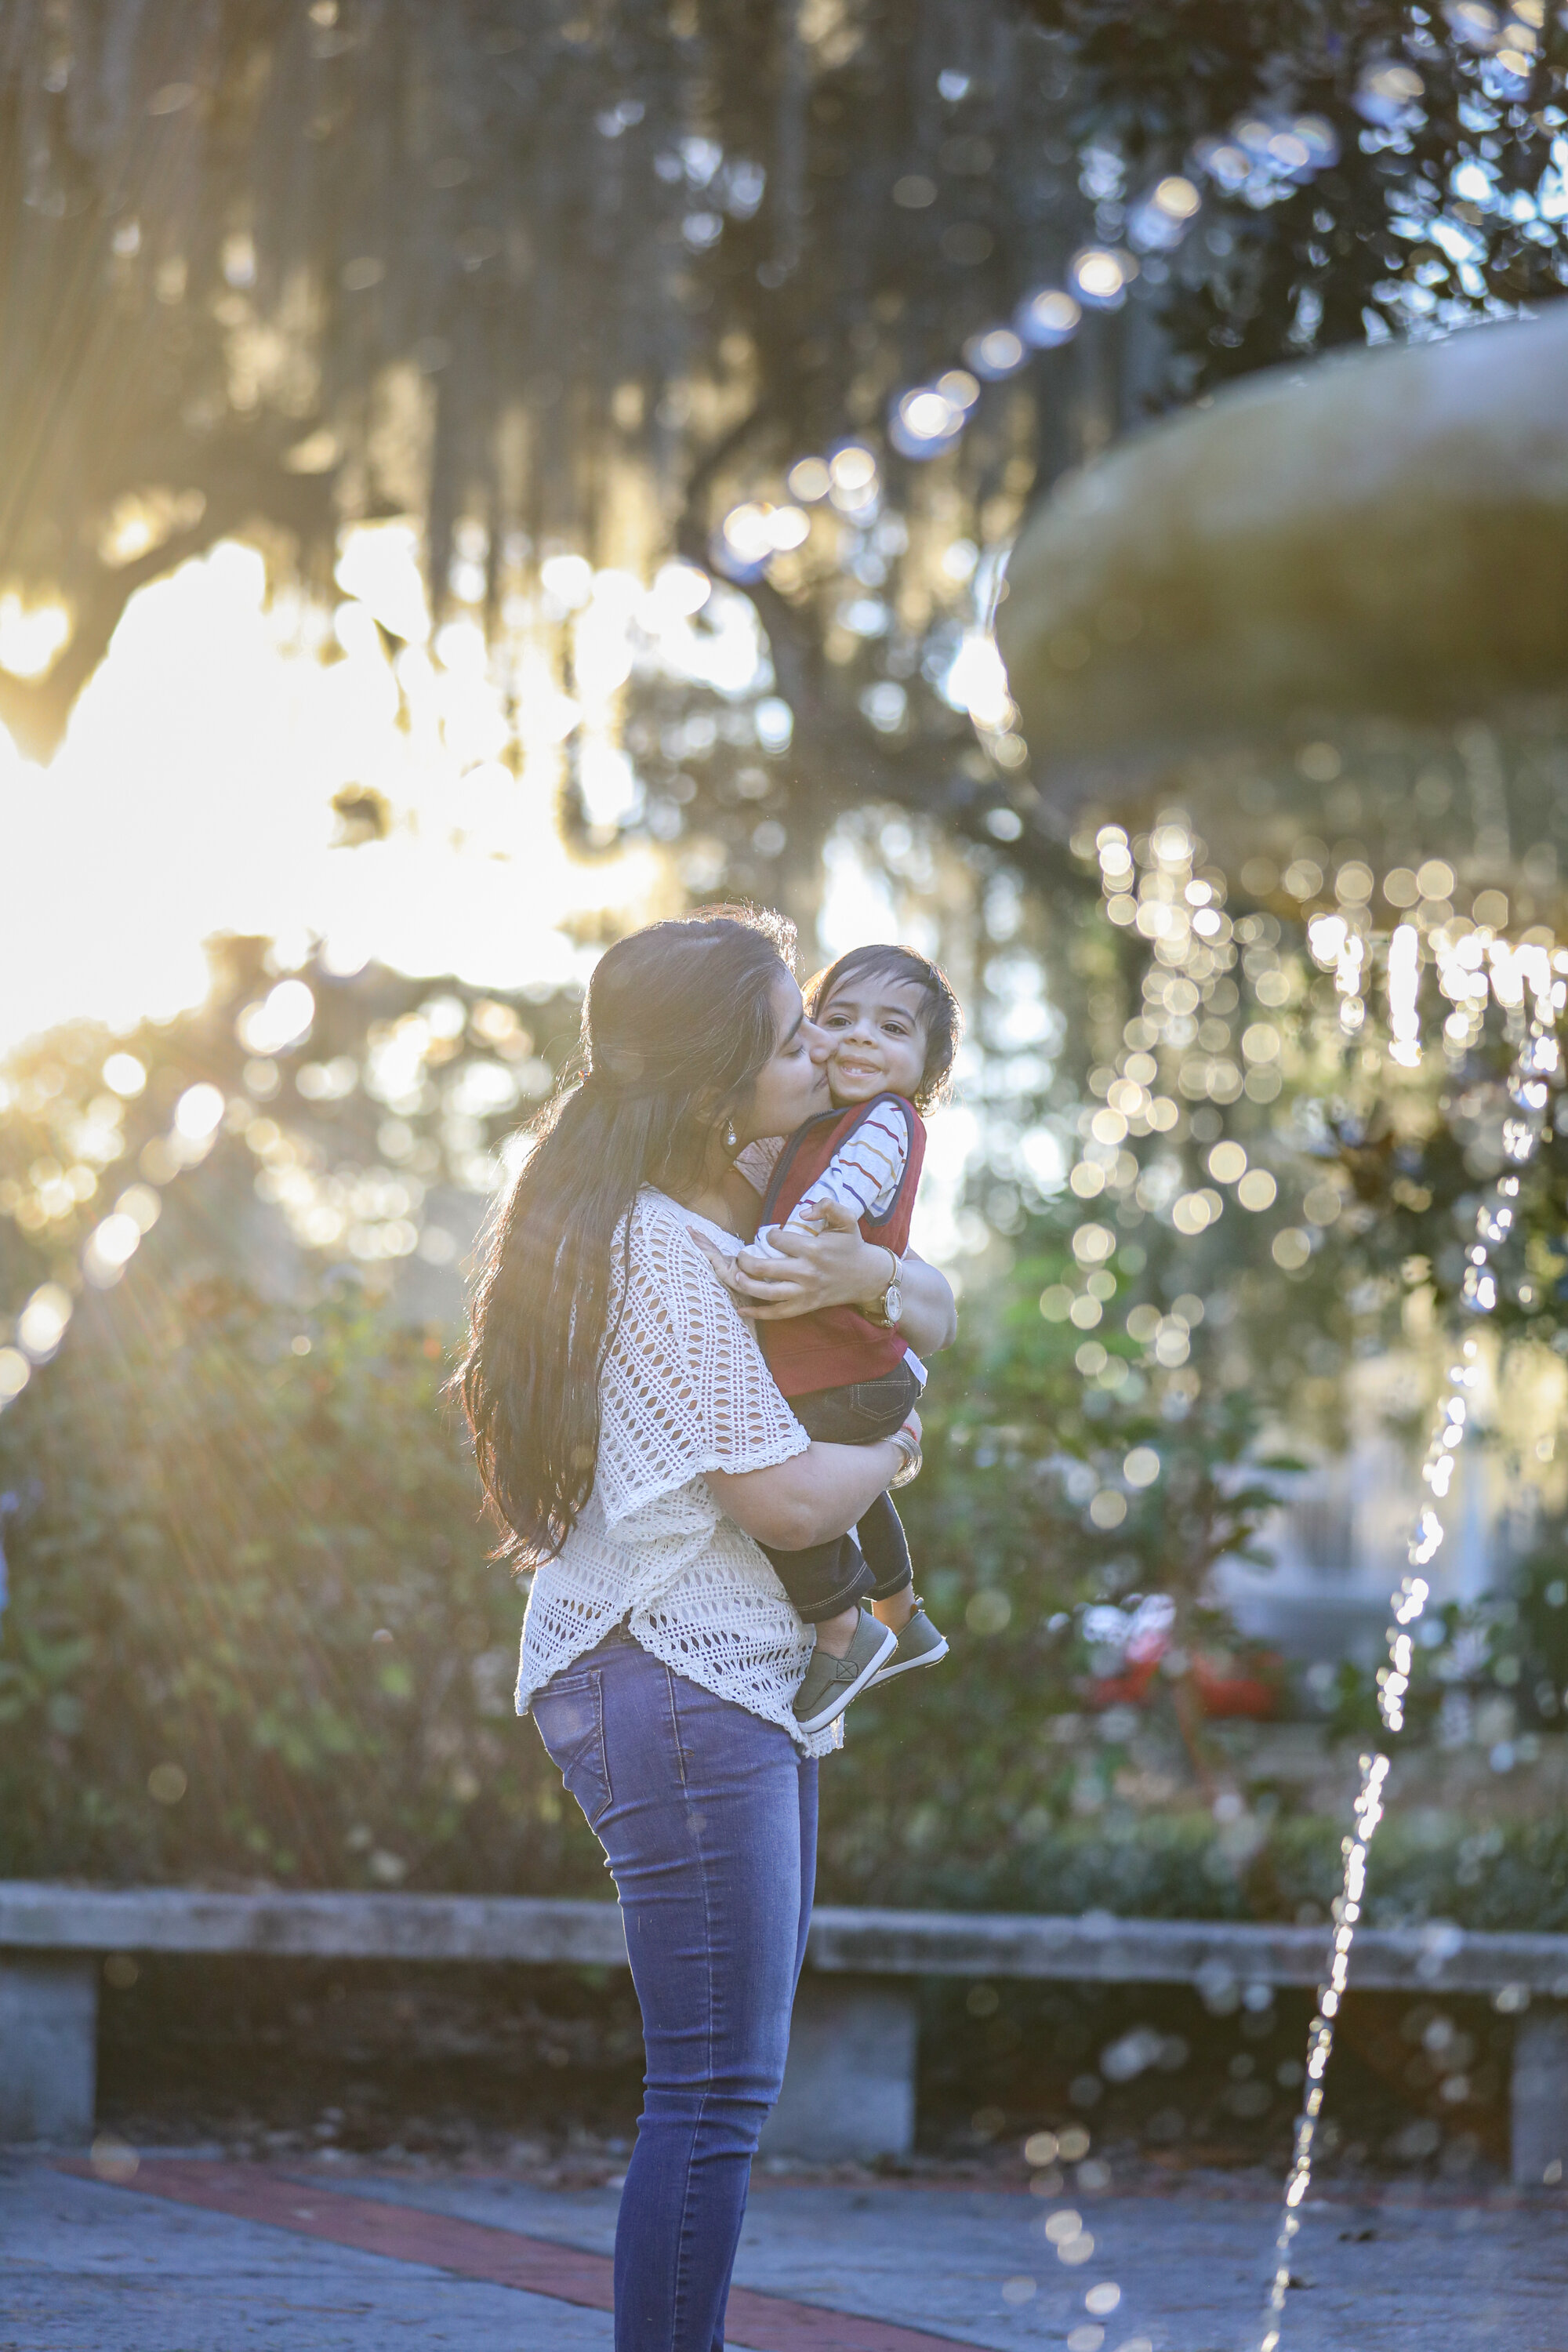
(229, 687)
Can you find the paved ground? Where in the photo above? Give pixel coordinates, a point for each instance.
(87, 2266)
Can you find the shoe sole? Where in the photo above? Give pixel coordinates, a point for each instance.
(841, 1699)
(908, 1666)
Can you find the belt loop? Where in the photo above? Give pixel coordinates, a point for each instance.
(675, 1725)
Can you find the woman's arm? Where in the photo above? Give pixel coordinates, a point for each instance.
(930, 1320)
(813, 1497)
(836, 1268)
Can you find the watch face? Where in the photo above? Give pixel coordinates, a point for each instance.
(892, 1302)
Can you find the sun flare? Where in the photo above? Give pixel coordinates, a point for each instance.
(194, 796)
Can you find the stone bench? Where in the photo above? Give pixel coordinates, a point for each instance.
(850, 2088)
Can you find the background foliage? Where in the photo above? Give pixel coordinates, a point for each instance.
(554, 279)
(254, 1634)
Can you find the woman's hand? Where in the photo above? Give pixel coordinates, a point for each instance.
(834, 1267)
(830, 1267)
(930, 1320)
(909, 1437)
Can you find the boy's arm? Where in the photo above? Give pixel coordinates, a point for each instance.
(756, 1163)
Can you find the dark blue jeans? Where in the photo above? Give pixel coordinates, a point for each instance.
(708, 1818)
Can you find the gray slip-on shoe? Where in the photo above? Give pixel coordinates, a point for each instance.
(920, 1645)
(831, 1682)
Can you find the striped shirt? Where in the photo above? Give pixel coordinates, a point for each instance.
(863, 1175)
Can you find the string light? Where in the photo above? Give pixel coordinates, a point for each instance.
(1153, 885)
(1178, 1049)
(1264, 156)
(1404, 993)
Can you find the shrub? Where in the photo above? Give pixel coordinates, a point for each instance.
(253, 1629)
(254, 1634)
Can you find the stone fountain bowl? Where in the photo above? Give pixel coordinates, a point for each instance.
(1334, 600)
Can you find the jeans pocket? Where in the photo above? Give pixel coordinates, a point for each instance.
(570, 1714)
(875, 1409)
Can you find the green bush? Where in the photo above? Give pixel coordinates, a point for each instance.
(253, 1629)
(953, 1784)
(254, 1634)
(1179, 1866)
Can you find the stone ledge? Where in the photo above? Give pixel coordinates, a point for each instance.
(336, 1926)
(36, 1916)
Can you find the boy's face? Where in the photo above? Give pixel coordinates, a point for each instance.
(878, 1028)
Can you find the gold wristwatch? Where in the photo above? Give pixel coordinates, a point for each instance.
(884, 1312)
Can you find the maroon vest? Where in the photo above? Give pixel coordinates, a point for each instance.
(835, 1346)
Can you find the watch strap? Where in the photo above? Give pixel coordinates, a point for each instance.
(877, 1312)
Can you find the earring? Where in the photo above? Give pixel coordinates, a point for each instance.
(731, 1140)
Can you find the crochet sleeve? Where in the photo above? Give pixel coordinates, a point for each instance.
(685, 1389)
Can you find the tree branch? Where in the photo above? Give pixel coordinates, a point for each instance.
(246, 484)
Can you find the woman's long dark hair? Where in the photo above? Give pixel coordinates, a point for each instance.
(678, 1022)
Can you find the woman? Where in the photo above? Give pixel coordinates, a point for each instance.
(629, 1435)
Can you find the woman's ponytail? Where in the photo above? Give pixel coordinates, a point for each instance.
(678, 1022)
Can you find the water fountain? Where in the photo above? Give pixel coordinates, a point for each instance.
(1330, 603)
(1376, 544)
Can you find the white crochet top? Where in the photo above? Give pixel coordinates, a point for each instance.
(684, 1390)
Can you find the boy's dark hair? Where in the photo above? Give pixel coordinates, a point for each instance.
(944, 1016)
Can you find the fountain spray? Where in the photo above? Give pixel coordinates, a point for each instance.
(1527, 983)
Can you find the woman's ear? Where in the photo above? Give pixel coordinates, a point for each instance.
(713, 1114)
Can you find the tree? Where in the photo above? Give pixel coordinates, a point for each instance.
(554, 282)
(1439, 202)
(549, 278)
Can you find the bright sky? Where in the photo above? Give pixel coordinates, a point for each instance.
(192, 796)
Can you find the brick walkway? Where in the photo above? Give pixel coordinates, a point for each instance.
(197, 2256)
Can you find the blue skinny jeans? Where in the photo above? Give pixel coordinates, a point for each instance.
(708, 1819)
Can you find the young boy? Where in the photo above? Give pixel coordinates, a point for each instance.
(849, 1377)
